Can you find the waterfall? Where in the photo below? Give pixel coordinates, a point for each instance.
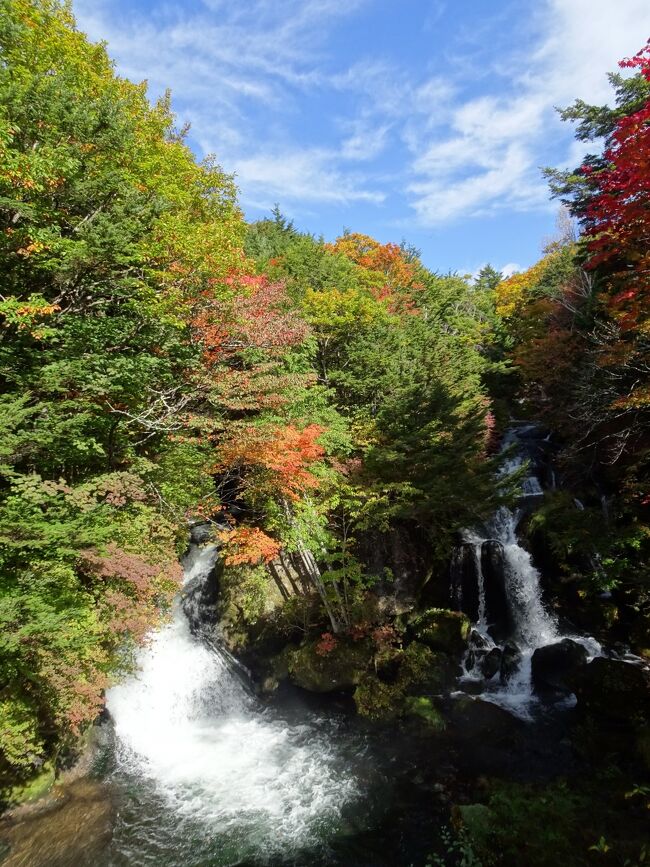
(187, 722)
(512, 620)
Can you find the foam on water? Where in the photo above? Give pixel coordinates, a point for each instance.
(188, 723)
(534, 625)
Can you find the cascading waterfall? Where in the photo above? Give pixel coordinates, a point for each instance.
(187, 723)
(511, 628)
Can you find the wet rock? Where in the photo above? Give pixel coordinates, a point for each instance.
(473, 718)
(491, 663)
(555, 666)
(73, 829)
(498, 613)
(444, 630)
(201, 532)
(314, 667)
(464, 580)
(510, 661)
(613, 689)
(478, 641)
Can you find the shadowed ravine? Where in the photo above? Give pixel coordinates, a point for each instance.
(193, 768)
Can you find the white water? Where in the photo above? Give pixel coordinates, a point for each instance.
(534, 625)
(186, 722)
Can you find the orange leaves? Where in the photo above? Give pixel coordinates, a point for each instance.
(274, 460)
(248, 546)
(386, 259)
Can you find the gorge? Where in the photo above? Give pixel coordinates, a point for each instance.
(313, 553)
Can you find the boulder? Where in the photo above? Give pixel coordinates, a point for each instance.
(444, 630)
(319, 668)
(613, 689)
(464, 580)
(498, 613)
(555, 666)
(510, 661)
(491, 663)
(475, 719)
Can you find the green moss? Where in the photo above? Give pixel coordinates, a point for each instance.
(421, 706)
(340, 668)
(413, 670)
(441, 629)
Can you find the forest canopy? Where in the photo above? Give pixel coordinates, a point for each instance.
(163, 361)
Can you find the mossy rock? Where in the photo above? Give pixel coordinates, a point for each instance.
(34, 788)
(419, 669)
(442, 629)
(421, 706)
(423, 668)
(335, 670)
(377, 700)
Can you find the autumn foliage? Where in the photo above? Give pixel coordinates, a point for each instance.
(617, 214)
(278, 460)
(247, 546)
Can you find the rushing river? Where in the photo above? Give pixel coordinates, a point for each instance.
(195, 770)
(234, 778)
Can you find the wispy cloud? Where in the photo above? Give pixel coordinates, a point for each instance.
(268, 90)
(305, 176)
(488, 157)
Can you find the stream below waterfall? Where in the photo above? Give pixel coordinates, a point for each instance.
(200, 768)
(193, 769)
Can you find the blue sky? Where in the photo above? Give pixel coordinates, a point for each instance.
(426, 120)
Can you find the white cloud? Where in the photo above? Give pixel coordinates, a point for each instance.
(510, 268)
(304, 176)
(470, 140)
(228, 63)
(488, 157)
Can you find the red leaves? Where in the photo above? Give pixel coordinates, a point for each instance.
(617, 216)
(327, 644)
(255, 315)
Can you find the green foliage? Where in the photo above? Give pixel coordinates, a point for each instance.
(109, 231)
(557, 823)
(246, 589)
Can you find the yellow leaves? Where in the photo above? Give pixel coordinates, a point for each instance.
(35, 310)
(638, 398)
(516, 291)
(513, 292)
(332, 310)
(27, 316)
(34, 247)
(20, 181)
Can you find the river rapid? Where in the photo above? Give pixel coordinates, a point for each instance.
(192, 768)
